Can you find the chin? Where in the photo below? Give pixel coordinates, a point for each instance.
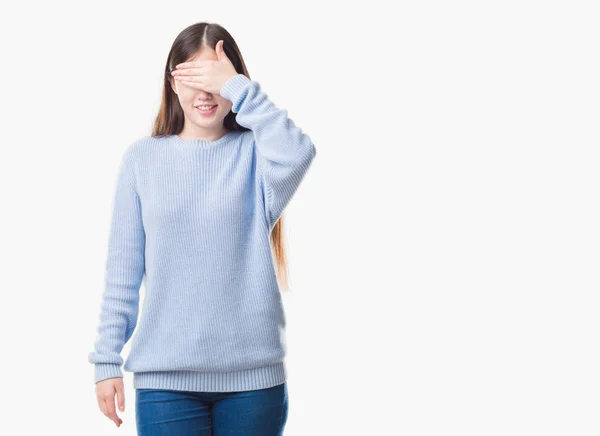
(214, 123)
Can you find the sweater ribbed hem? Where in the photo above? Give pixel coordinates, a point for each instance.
(247, 380)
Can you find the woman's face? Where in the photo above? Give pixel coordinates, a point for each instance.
(190, 98)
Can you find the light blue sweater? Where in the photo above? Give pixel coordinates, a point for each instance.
(192, 220)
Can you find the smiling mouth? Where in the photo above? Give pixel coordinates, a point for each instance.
(206, 112)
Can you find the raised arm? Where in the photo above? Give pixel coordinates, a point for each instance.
(284, 152)
(125, 266)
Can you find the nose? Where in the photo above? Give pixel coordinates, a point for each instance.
(204, 95)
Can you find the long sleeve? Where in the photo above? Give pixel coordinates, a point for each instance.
(124, 271)
(284, 152)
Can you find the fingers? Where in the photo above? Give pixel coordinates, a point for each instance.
(189, 78)
(187, 72)
(193, 64)
(109, 407)
(106, 402)
(195, 85)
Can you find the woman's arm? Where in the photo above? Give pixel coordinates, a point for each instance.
(124, 272)
(284, 152)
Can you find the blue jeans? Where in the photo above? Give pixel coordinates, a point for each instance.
(161, 412)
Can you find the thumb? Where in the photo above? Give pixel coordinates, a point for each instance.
(120, 397)
(220, 52)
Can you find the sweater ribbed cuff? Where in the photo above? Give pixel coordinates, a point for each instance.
(106, 370)
(233, 89)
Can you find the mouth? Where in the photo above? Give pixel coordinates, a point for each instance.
(206, 110)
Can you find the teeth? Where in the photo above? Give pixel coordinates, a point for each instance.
(205, 108)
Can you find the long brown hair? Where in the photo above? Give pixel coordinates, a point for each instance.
(170, 118)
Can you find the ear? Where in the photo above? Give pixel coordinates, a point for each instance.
(173, 85)
(220, 51)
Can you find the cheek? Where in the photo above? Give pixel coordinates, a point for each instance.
(186, 97)
(185, 92)
(225, 106)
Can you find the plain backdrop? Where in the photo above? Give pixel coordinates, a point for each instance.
(443, 248)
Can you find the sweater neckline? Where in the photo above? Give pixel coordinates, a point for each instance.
(203, 143)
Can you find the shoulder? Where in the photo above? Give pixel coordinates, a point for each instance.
(142, 148)
(246, 135)
(142, 145)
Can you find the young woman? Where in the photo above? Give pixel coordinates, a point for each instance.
(197, 215)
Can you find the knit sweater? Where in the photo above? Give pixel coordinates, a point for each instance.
(191, 221)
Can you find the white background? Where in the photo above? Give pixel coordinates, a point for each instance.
(443, 248)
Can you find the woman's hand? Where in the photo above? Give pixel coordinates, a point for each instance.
(105, 394)
(207, 75)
